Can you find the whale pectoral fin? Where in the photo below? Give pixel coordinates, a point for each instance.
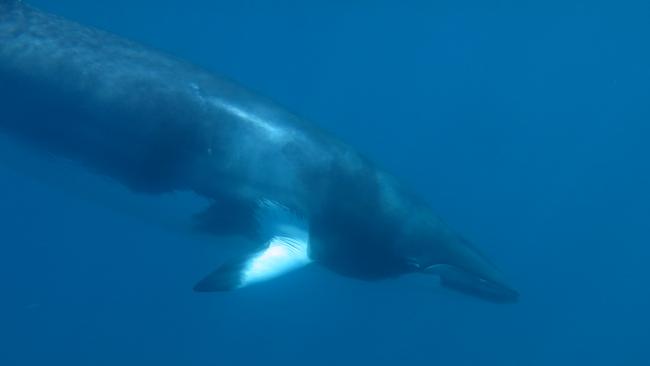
(282, 255)
(285, 251)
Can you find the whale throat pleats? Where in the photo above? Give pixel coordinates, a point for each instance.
(286, 249)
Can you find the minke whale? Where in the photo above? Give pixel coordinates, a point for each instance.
(158, 126)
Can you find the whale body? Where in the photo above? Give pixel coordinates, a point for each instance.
(159, 126)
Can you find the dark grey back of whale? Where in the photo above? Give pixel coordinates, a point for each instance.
(158, 125)
(120, 108)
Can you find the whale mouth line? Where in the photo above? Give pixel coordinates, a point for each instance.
(457, 279)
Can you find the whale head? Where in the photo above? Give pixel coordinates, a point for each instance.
(461, 267)
(467, 270)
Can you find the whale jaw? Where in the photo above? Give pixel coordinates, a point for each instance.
(459, 280)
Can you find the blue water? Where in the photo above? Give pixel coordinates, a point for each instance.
(526, 124)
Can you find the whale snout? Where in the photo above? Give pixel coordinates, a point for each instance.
(473, 284)
(469, 271)
(459, 280)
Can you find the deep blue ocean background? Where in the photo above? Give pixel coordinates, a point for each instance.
(526, 124)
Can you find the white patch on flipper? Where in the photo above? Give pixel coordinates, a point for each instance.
(281, 256)
(287, 248)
